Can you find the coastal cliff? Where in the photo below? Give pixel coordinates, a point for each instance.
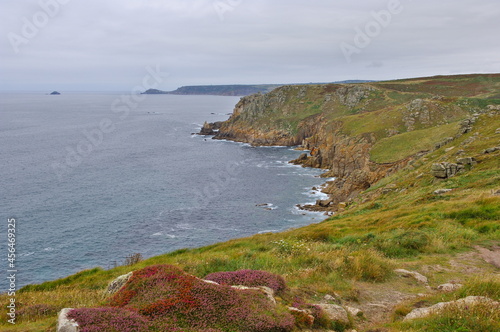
(360, 133)
(418, 250)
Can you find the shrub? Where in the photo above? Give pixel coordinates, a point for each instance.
(163, 292)
(108, 320)
(249, 278)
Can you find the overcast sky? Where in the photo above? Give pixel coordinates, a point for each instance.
(107, 44)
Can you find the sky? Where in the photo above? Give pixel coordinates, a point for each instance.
(115, 45)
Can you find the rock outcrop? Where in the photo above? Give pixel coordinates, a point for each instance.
(412, 274)
(211, 128)
(445, 170)
(341, 124)
(64, 324)
(115, 285)
(462, 304)
(335, 313)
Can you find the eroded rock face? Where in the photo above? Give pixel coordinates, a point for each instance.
(352, 95)
(346, 157)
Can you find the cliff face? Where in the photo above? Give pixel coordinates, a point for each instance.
(360, 133)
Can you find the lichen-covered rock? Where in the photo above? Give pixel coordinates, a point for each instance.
(449, 287)
(445, 170)
(467, 161)
(491, 150)
(441, 191)
(115, 285)
(412, 274)
(65, 324)
(460, 304)
(265, 290)
(335, 313)
(355, 312)
(352, 95)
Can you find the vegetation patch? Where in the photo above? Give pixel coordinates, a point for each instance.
(249, 278)
(165, 293)
(400, 146)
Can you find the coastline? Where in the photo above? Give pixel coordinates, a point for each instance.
(212, 129)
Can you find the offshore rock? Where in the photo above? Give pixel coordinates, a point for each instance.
(210, 128)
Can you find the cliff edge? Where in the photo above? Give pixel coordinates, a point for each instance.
(361, 133)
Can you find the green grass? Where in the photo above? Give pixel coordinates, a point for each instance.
(401, 146)
(408, 227)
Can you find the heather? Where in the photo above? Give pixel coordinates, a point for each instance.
(165, 293)
(348, 259)
(109, 320)
(249, 278)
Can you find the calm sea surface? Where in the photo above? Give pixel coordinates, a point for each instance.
(93, 178)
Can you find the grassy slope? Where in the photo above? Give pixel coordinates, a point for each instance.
(449, 99)
(351, 254)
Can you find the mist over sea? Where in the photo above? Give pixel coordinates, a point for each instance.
(90, 181)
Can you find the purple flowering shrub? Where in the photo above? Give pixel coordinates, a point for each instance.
(108, 320)
(168, 295)
(249, 278)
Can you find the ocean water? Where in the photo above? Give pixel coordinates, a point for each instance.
(94, 178)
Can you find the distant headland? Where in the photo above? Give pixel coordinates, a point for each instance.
(229, 90)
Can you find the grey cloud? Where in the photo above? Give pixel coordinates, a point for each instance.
(106, 45)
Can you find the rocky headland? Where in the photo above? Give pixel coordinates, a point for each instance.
(358, 133)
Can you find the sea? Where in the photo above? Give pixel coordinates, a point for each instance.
(93, 178)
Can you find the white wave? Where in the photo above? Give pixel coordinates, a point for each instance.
(269, 231)
(184, 226)
(298, 211)
(267, 206)
(48, 249)
(171, 236)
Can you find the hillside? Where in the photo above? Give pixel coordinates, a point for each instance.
(217, 90)
(228, 90)
(364, 132)
(418, 171)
